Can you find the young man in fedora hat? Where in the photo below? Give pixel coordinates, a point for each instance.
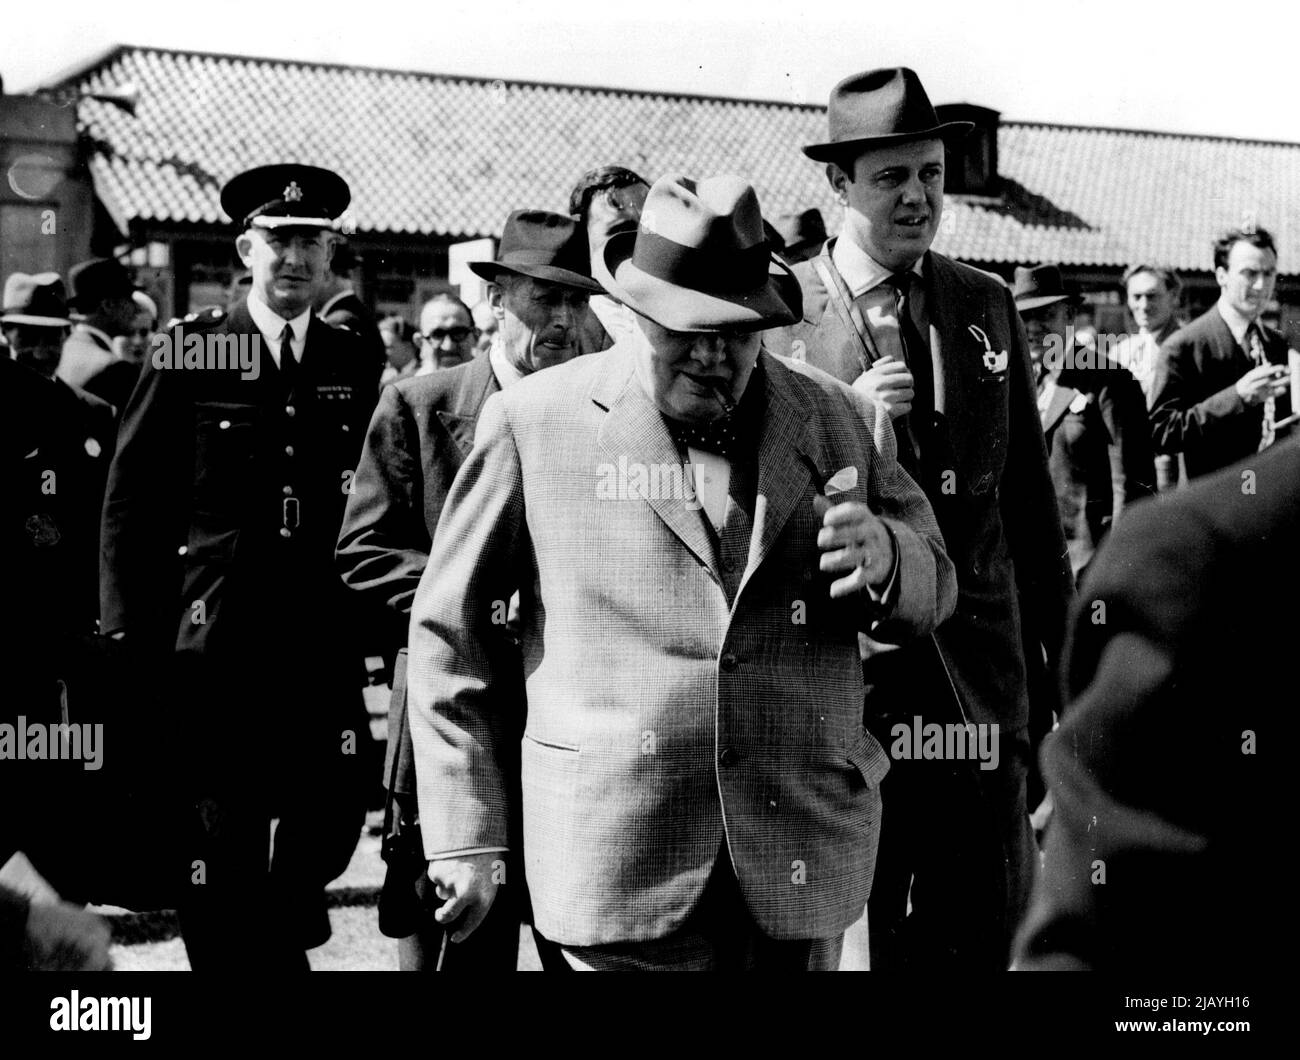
(1093, 414)
(223, 509)
(939, 346)
(698, 790)
(103, 302)
(419, 436)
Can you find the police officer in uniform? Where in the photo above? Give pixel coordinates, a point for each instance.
(224, 503)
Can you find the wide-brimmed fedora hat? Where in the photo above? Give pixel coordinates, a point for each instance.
(38, 300)
(1038, 285)
(700, 261)
(881, 108)
(546, 246)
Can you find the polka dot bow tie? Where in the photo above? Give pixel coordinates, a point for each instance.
(721, 436)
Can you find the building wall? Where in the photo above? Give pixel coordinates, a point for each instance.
(46, 198)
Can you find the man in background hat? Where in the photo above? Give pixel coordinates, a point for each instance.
(419, 436)
(338, 305)
(1093, 415)
(103, 304)
(939, 346)
(607, 200)
(698, 789)
(803, 233)
(224, 504)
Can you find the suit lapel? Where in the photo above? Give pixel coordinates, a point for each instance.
(1062, 396)
(460, 421)
(634, 430)
(785, 454)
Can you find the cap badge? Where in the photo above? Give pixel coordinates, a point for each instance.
(292, 193)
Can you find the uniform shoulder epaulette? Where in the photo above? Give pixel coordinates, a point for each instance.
(207, 317)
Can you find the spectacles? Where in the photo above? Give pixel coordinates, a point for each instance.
(455, 334)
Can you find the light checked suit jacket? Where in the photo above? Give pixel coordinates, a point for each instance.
(661, 721)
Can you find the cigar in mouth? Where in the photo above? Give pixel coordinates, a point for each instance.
(720, 390)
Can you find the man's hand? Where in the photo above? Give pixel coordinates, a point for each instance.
(1262, 382)
(63, 938)
(468, 887)
(888, 383)
(853, 541)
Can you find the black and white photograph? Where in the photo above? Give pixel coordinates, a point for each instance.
(728, 487)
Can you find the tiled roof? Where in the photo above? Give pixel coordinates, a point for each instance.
(435, 155)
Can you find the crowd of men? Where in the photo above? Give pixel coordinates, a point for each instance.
(679, 549)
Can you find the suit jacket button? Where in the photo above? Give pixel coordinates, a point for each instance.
(728, 757)
(728, 565)
(730, 662)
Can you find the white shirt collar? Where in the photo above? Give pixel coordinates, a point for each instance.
(103, 337)
(271, 325)
(1237, 323)
(860, 270)
(505, 372)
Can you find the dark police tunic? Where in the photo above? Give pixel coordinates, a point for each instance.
(224, 504)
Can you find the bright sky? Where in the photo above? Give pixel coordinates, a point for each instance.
(1162, 65)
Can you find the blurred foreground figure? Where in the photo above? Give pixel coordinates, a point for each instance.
(1154, 855)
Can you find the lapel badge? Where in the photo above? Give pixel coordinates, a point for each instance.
(292, 193)
(995, 363)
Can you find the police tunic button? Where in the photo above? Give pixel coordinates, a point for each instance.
(93, 448)
(289, 410)
(288, 491)
(285, 532)
(346, 427)
(288, 450)
(183, 550)
(224, 425)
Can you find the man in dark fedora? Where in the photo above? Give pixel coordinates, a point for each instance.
(939, 346)
(103, 303)
(698, 790)
(235, 457)
(1093, 414)
(419, 436)
(804, 234)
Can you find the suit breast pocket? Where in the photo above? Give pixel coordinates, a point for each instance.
(225, 439)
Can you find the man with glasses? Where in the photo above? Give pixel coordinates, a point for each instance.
(418, 438)
(447, 333)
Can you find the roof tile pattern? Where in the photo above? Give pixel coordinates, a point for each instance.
(438, 156)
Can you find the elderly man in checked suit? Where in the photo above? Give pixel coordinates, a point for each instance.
(698, 787)
(940, 347)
